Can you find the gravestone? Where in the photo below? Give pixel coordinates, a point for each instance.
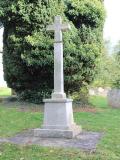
(114, 98)
(58, 112)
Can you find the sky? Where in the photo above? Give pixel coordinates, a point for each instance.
(1, 39)
(112, 24)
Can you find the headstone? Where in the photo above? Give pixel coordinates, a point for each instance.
(114, 98)
(58, 112)
(99, 91)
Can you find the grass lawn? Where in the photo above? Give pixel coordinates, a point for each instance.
(5, 92)
(99, 102)
(105, 120)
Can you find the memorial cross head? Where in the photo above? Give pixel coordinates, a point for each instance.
(58, 27)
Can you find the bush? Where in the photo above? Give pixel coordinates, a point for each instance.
(82, 97)
(28, 48)
(116, 83)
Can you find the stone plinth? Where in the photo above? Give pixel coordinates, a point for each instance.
(58, 120)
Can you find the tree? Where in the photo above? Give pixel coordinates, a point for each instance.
(108, 68)
(28, 48)
(116, 82)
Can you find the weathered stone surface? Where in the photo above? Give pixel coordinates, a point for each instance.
(114, 98)
(3, 140)
(58, 112)
(58, 120)
(57, 28)
(68, 133)
(86, 141)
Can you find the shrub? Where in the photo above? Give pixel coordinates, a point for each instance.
(28, 47)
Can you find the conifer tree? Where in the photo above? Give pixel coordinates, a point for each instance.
(28, 47)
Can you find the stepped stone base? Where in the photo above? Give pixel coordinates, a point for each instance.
(57, 133)
(86, 141)
(58, 120)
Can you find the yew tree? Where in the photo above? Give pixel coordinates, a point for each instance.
(28, 47)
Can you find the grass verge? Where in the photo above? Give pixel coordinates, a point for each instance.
(105, 120)
(5, 92)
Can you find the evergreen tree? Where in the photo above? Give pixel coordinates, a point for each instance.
(28, 47)
(116, 83)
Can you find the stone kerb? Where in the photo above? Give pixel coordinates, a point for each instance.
(114, 98)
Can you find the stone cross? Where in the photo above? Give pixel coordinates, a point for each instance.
(58, 27)
(58, 113)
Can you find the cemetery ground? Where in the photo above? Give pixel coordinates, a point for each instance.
(4, 91)
(18, 117)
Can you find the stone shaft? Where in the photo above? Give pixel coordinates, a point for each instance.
(58, 71)
(58, 27)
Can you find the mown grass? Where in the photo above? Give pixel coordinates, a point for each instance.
(13, 121)
(105, 120)
(5, 92)
(99, 101)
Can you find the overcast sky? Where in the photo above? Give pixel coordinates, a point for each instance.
(1, 39)
(112, 25)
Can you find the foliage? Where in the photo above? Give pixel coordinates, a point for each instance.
(116, 83)
(28, 48)
(82, 97)
(108, 69)
(106, 72)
